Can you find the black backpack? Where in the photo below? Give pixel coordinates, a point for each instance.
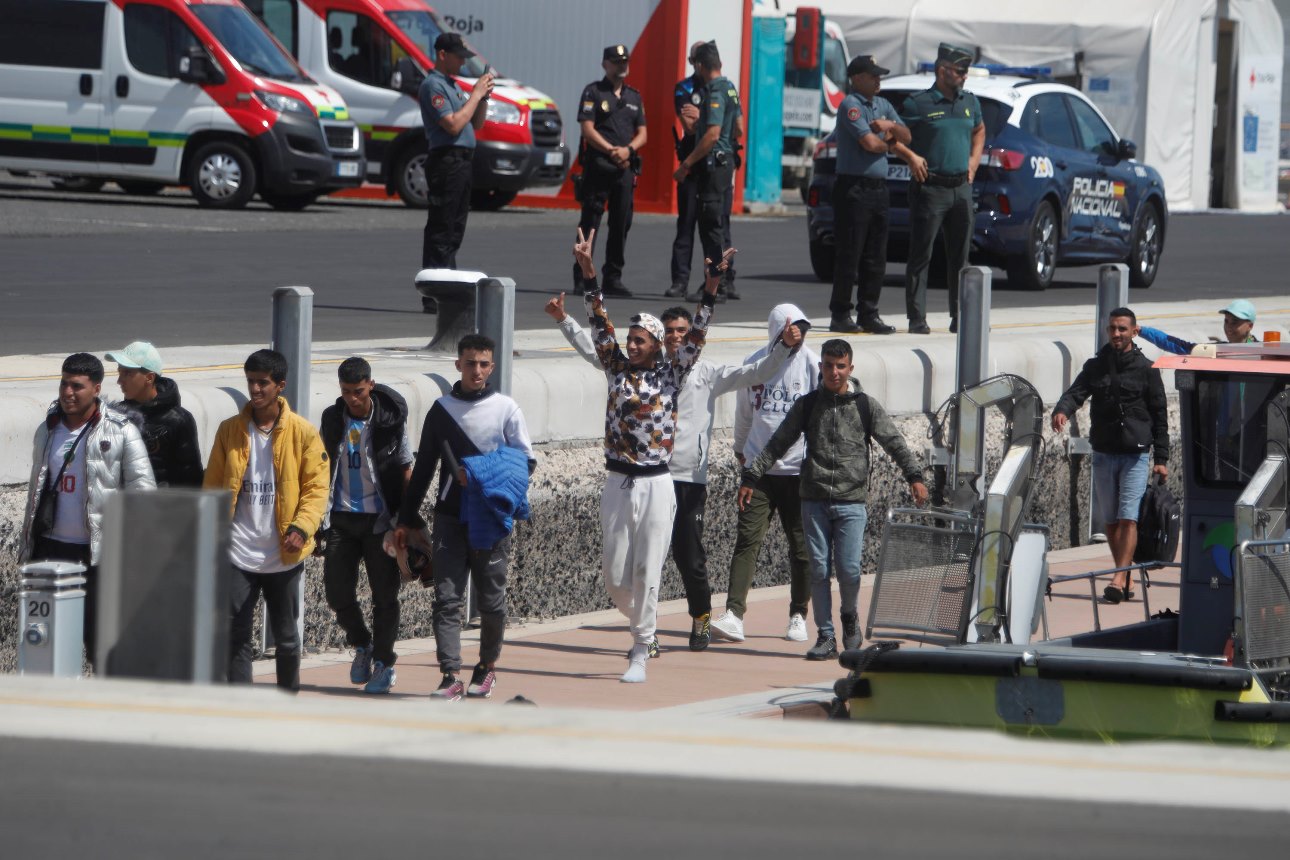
(1159, 525)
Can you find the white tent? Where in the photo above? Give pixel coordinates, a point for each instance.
(1150, 66)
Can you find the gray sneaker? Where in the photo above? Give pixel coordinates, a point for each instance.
(851, 637)
(825, 648)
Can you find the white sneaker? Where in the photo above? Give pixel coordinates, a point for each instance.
(729, 626)
(636, 660)
(796, 628)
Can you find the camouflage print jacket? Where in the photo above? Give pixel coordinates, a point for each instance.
(640, 415)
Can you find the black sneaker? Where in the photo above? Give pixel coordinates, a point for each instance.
(451, 689)
(652, 648)
(701, 632)
(676, 291)
(851, 637)
(825, 648)
(844, 325)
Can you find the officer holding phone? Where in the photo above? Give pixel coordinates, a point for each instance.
(720, 126)
(451, 119)
(611, 118)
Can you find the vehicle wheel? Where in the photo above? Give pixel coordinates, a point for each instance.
(1144, 253)
(289, 202)
(410, 178)
(1035, 269)
(221, 175)
(822, 261)
(77, 183)
(140, 187)
(490, 199)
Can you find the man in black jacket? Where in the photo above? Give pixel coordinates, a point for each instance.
(365, 433)
(1130, 426)
(168, 429)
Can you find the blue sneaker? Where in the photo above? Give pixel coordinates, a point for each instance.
(360, 671)
(382, 679)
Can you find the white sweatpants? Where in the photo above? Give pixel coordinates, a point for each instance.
(636, 530)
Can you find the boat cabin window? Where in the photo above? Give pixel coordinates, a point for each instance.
(1229, 426)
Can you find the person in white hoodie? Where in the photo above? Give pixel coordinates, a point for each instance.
(695, 407)
(758, 414)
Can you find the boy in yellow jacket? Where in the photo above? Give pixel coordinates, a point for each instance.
(274, 464)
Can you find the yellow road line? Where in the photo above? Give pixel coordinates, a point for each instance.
(207, 368)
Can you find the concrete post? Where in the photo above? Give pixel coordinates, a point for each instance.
(293, 334)
(495, 318)
(51, 619)
(293, 331)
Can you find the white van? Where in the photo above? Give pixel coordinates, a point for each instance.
(168, 92)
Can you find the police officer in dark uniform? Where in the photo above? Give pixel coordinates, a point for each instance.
(867, 126)
(948, 139)
(719, 127)
(611, 115)
(687, 97)
(451, 119)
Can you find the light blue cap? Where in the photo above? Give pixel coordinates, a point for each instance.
(1241, 309)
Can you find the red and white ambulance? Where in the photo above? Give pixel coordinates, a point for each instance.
(375, 54)
(163, 92)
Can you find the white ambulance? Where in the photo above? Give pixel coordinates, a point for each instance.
(375, 53)
(168, 92)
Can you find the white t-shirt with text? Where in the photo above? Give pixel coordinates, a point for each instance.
(70, 522)
(256, 545)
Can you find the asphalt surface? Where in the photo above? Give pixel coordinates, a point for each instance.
(108, 800)
(92, 271)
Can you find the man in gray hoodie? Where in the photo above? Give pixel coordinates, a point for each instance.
(696, 405)
(838, 420)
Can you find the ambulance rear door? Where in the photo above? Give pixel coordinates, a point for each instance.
(51, 85)
(151, 111)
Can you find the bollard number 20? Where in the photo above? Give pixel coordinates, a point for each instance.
(37, 608)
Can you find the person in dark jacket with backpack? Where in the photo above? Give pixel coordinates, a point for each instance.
(1129, 427)
(365, 433)
(168, 429)
(838, 420)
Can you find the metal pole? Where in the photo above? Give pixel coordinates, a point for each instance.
(293, 332)
(495, 317)
(973, 359)
(1112, 293)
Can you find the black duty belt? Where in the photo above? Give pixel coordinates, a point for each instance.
(862, 181)
(942, 180)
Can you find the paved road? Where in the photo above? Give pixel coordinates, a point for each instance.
(94, 271)
(66, 798)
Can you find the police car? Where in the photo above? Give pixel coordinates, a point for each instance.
(1056, 185)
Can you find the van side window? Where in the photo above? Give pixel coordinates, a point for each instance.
(155, 40)
(358, 48)
(280, 17)
(60, 33)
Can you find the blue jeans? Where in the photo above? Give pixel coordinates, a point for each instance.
(834, 538)
(1121, 483)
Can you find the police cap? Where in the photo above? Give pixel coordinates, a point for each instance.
(866, 63)
(452, 43)
(955, 56)
(616, 54)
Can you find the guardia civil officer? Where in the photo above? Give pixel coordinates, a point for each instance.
(451, 120)
(611, 116)
(867, 126)
(719, 128)
(687, 96)
(948, 138)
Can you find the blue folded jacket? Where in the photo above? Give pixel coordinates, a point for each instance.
(495, 496)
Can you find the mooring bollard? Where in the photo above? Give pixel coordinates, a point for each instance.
(51, 619)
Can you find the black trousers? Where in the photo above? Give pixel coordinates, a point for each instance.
(617, 189)
(282, 603)
(860, 245)
(687, 546)
(714, 210)
(687, 218)
(350, 538)
(78, 553)
(448, 179)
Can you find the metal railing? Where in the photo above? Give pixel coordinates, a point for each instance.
(1144, 581)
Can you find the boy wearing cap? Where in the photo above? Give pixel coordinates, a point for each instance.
(1238, 323)
(169, 431)
(867, 126)
(948, 139)
(611, 118)
(451, 120)
(638, 502)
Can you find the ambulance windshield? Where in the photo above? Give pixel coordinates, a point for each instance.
(423, 28)
(249, 43)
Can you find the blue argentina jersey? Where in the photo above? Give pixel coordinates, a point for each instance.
(356, 491)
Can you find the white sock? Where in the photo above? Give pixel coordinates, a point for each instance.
(636, 660)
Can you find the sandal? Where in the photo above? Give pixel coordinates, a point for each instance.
(1113, 594)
